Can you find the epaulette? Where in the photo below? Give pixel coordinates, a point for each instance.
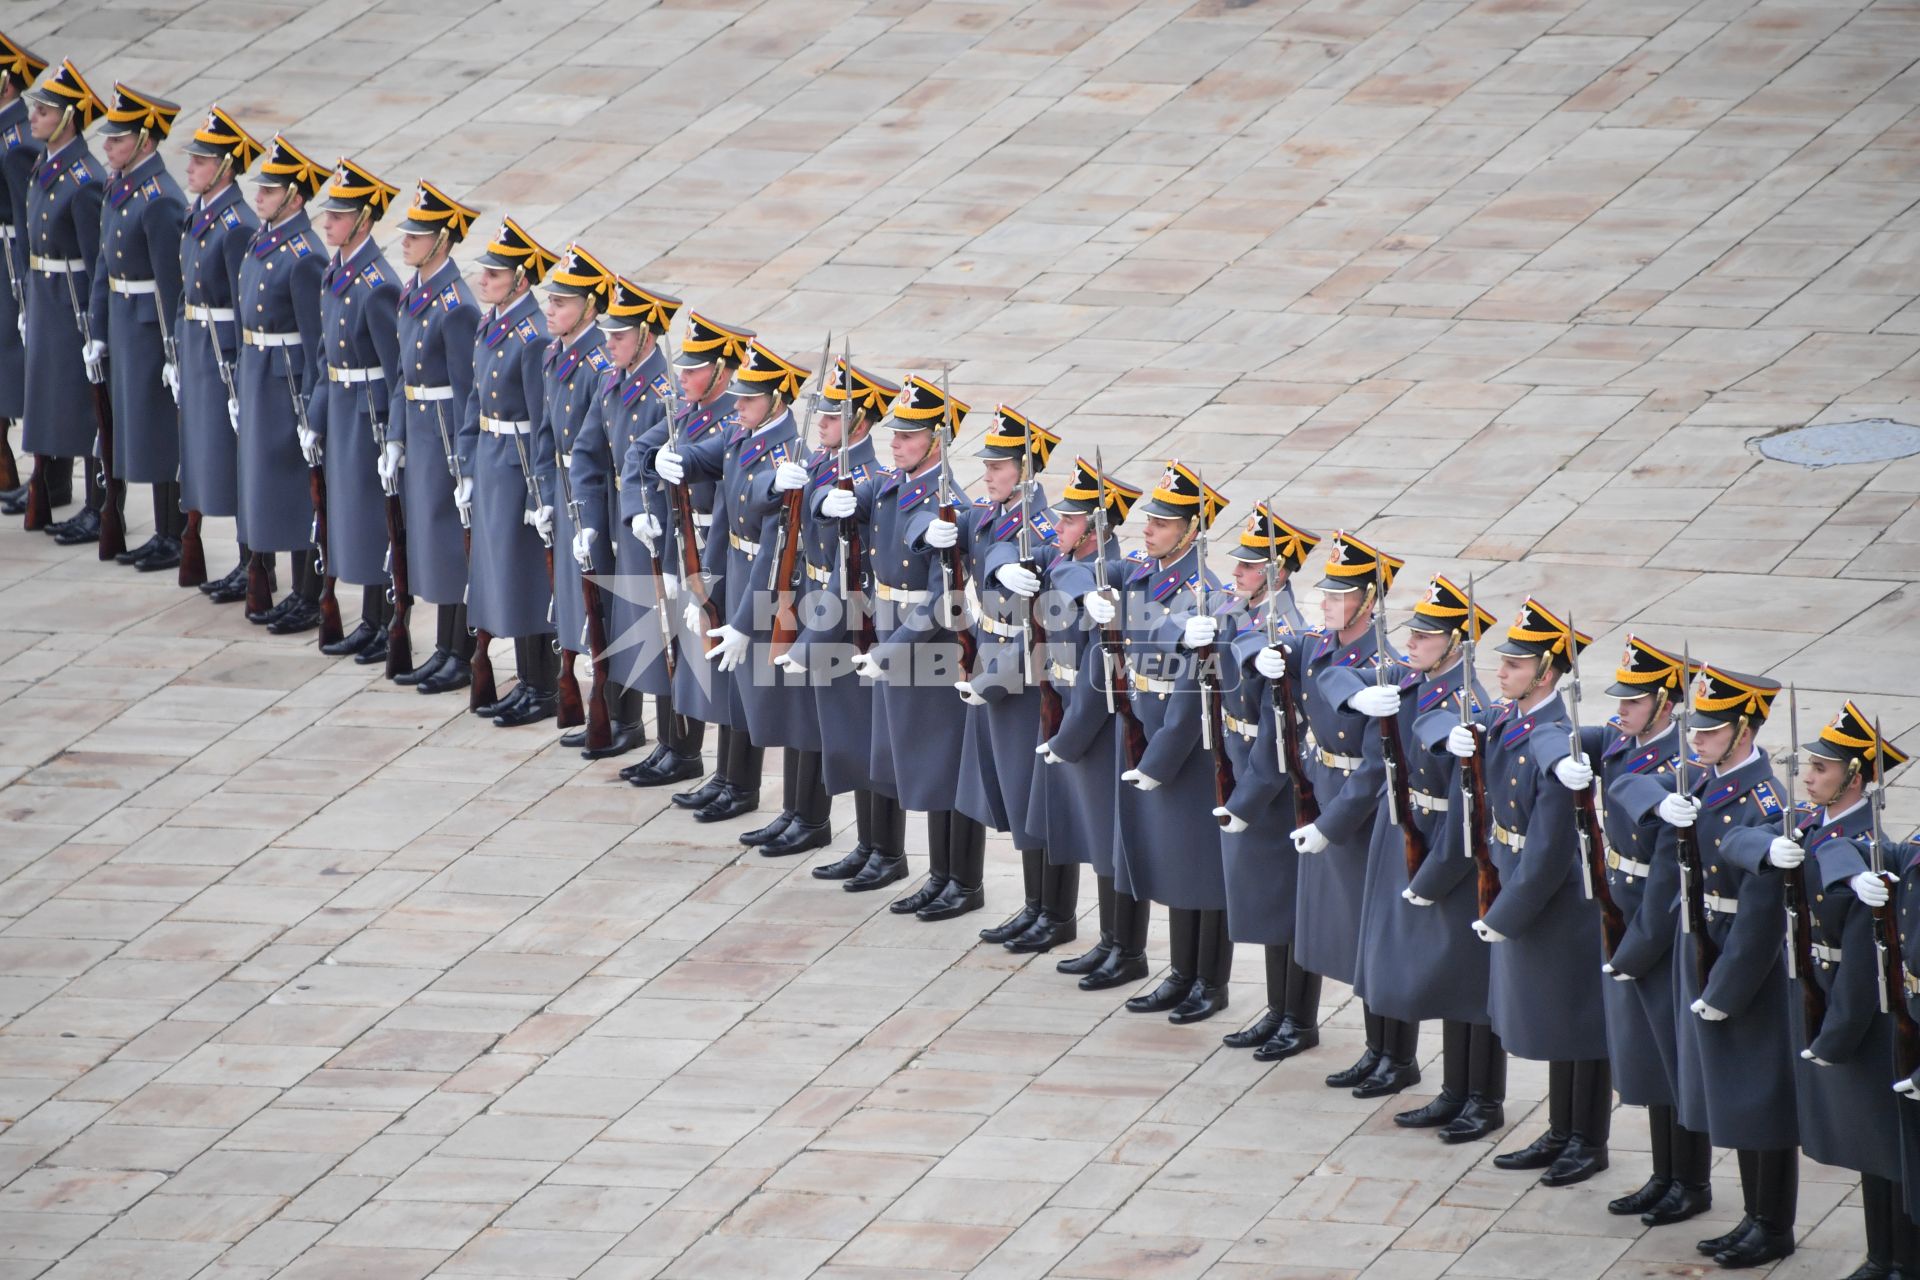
(526, 330)
(983, 502)
(79, 170)
(599, 359)
(1767, 798)
(373, 275)
(661, 386)
(301, 246)
(229, 217)
(151, 189)
(1044, 527)
(13, 139)
(861, 471)
(450, 297)
(1806, 808)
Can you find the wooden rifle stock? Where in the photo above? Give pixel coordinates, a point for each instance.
(1479, 835)
(857, 570)
(259, 585)
(1613, 922)
(1705, 950)
(572, 710)
(1813, 1001)
(1412, 839)
(39, 494)
(1133, 734)
(787, 572)
(599, 716)
(9, 466)
(193, 553)
(483, 691)
(692, 579)
(1906, 1033)
(956, 564)
(113, 524)
(1223, 779)
(1306, 805)
(330, 628)
(399, 633)
(1053, 708)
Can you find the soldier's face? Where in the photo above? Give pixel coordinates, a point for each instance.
(1340, 609)
(118, 148)
(1163, 535)
(274, 202)
(753, 411)
(1515, 676)
(1072, 530)
(43, 121)
(831, 427)
(1002, 478)
(566, 313)
(911, 450)
(337, 228)
(1827, 780)
(416, 249)
(1249, 578)
(696, 382)
(1635, 715)
(1714, 746)
(201, 171)
(1427, 649)
(623, 346)
(494, 285)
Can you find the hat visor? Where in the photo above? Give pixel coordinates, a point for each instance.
(1622, 690)
(1516, 649)
(494, 261)
(207, 150)
(1825, 749)
(999, 452)
(741, 387)
(408, 227)
(910, 424)
(1167, 511)
(1251, 555)
(117, 128)
(1433, 626)
(1712, 719)
(617, 324)
(47, 98)
(1339, 585)
(334, 204)
(1074, 506)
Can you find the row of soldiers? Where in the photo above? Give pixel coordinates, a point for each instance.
(1609, 900)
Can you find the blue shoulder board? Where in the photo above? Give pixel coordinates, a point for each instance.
(79, 170)
(983, 501)
(373, 275)
(860, 471)
(151, 189)
(1768, 800)
(229, 217)
(1137, 556)
(598, 359)
(526, 330)
(300, 246)
(450, 297)
(1044, 527)
(13, 139)
(661, 386)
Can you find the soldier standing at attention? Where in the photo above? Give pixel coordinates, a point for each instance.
(1636, 755)
(1544, 985)
(136, 297)
(1165, 848)
(1733, 1034)
(19, 152)
(1260, 863)
(507, 589)
(436, 324)
(278, 300)
(64, 196)
(206, 337)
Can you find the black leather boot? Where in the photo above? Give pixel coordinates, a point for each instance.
(1397, 1069)
(300, 615)
(1033, 864)
(768, 832)
(435, 660)
(1691, 1193)
(1776, 1191)
(626, 736)
(1363, 1067)
(1262, 1028)
(1164, 998)
(732, 802)
(537, 706)
(1255, 1033)
(454, 673)
(1660, 1147)
(1292, 1037)
(673, 768)
(1456, 1055)
(1545, 1149)
(966, 864)
(162, 553)
(954, 899)
(1204, 999)
(1678, 1204)
(883, 868)
(1089, 960)
(83, 527)
(1046, 933)
(1120, 967)
(846, 866)
(799, 837)
(1592, 1120)
(701, 796)
(1579, 1160)
(660, 751)
(135, 553)
(353, 642)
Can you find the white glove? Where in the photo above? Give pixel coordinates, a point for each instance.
(1615, 974)
(692, 616)
(646, 529)
(1377, 700)
(1487, 933)
(233, 414)
(1785, 853)
(463, 497)
(1099, 608)
(1707, 1012)
(865, 664)
(93, 355)
(1018, 579)
(170, 377)
(309, 445)
(20, 323)
(1310, 839)
(967, 695)
(732, 649)
(1140, 780)
(1462, 742)
(790, 664)
(1574, 775)
(1415, 898)
(942, 534)
(671, 466)
(789, 475)
(669, 587)
(839, 504)
(541, 518)
(1679, 811)
(583, 540)
(1807, 1054)
(393, 456)
(1234, 825)
(1200, 632)
(1870, 889)
(1046, 753)
(1907, 1089)
(1271, 662)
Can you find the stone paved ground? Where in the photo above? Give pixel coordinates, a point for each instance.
(308, 976)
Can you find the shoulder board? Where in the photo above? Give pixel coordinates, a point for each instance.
(861, 471)
(983, 502)
(151, 189)
(1768, 799)
(599, 360)
(1806, 808)
(13, 139)
(373, 275)
(527, 331)
(1315, 633)
(301, 246)
(661, 386)
(778, 454)
(450, 297)
(229, 217)
(80, 171)
(1044, 527)
(1137, 556)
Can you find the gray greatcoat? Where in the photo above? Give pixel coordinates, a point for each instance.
(622, 415)
(18, 154)
(64, 198)
(1166, 845)
(352, 395)
(699, 690)
(279, 305)
(1073, 800)
(842, 698)
(1424, 961)
(207, 343)
(136, 292)
(576, 376)
(435, 327)
(1261, 866)
(508, 593)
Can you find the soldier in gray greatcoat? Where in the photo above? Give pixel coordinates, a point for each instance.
(835, 617)
(352, 397)
(753, 466)
(214, 238)
(631, 400)
(1635, 752)
(437, 319)
(508, 591)
(1073, 802)
(136, 297)
(1733, 1036)
(1003, 690)
(576, 368)
(1849, 1118)
(62, 220)
(702, 408)
(1330, 665)
(1544, 981)
(278, 297)
(918, 728)
(1259, 860)
(1418, 955)
(1165, 848)
(19, 151)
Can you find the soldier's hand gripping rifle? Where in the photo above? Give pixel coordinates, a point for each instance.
(1889, 957)
(400, 590)
(1475, 816)
(1399, 788)
(113, 527)
(330, 627)
(1110, 648)
(1053, 708)
(1693, 873)
(1286, 711)
(1813, 1001)
(855, 566)
(1586, 815)
(956, 560)
(693, 579)
(788, 562)
(1213, 728)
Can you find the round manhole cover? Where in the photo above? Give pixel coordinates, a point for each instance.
(1833, 443)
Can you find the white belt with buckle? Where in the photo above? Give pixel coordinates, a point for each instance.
(7, 231)
(339, 373)
(130, 287)
(1334, 760)
(1005, 630)
(1514, 840)
(1617, 861)
(428, 393)
(1150, 684)
(1248, 729)
(899, 595)
(209, 315)
(1725, 906)
(56, 266)
(1059, 673)
(261, 338)
(564, 459)
(503, 427)
(1427, 803)
(1821, 951)
(703, 519)
(818, 574)
(739, 543)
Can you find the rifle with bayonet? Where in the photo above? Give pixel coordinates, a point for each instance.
(1813, 1001)
(330, 628)
(854, 566)
(1693, 874)
(693, 578)
(1213, 727)
(1393, 754)
(1889, 957)
(1053, 708)
(956, 560)
(113, 527)
(1475, 816)
(788, 562)
(1586, 814)
(400, 588)
(1110, 648)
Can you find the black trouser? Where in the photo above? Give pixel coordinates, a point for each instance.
(683, 735)
(1397, 1039)
(96, 485)
(803, 789)
(1053, 887)
(1679, 1154)
(246, 558)
(738, 761)
(169, 521)
(375, 609)
(1770, 1185)
(57, 474)
(539, 666)
(880, 823)
(1580, 1100)
(1199, 945)
(1131, 916)
(450, 632)
(1292, 992)
(956, 848)
(306, 576)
